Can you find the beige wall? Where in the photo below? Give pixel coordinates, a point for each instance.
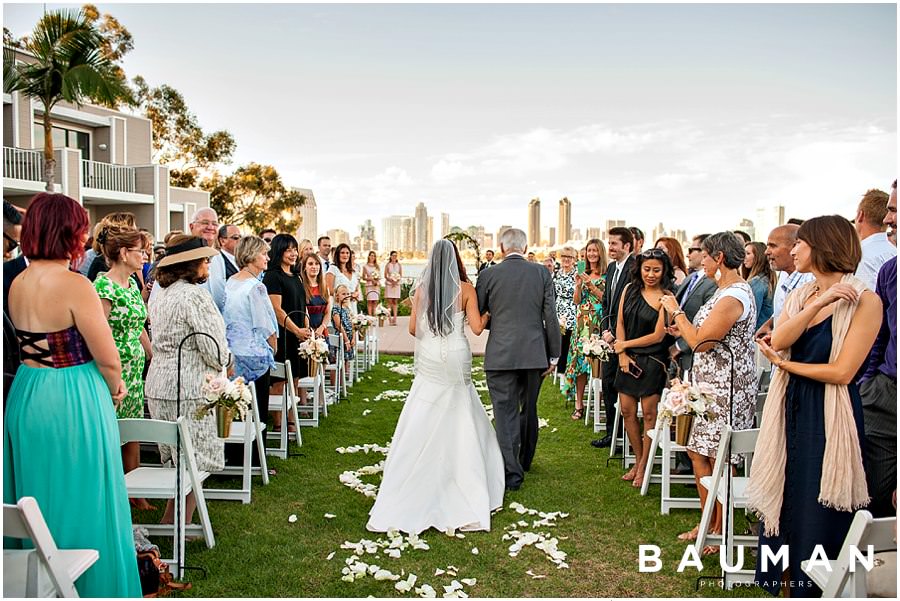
(7, 125)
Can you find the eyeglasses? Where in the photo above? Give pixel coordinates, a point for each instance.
(694, 249)
(567, 257)
(654, 253)
(207, 223)
(235, 237)
(268, 240)
(138, 250)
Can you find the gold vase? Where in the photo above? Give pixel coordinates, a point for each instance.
(683, 426)
(313, 367)
(224, 417)
(595, 367)
(381, 321)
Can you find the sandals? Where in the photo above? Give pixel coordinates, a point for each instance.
(578, 414)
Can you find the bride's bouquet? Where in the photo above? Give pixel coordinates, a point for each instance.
(374, 278)
(393, 278)
(596, 350)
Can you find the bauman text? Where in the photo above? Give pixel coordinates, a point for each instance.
(649, 559)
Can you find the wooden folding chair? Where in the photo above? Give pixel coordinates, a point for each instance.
(162, 482)
(247, 433)
(45, 570)
(847, 576)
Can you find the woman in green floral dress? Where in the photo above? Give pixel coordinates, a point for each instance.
(589, 287)
(120, 295)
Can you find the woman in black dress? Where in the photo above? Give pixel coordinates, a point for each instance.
(642, 348)
(289, 301)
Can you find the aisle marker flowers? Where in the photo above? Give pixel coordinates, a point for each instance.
(683, 398)
(313, 348)
(233, 395)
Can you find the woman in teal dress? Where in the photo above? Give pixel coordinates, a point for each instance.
(589, 287)
(120, 297)
(60, 436)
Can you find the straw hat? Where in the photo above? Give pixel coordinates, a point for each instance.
(188, 251)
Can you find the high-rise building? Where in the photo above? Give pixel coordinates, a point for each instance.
(477, 234)
(551, 236)
(565, 220)
(594, 232)
(680, 235)
(768, 218)
(338, 236)
(488, 243)
(747, 226)
(421, 228)
(576, 234)
(430, 233)
(366, 239)
(445, 224)
(397, 233)
(659, 230)
(534, 222)
(309, 224)
(500, 233)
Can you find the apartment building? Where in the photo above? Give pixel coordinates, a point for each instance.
(103, 160)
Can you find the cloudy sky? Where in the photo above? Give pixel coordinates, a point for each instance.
(693, 115)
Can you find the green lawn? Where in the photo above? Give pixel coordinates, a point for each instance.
(259, 552)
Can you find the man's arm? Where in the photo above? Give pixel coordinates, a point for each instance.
(550, 318)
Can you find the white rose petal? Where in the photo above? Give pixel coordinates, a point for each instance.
(439, 572)
(474, 550)
(330, 516)
(330, 556)
(469, 581)
(426, 591)
(367, 412)
(292, 518)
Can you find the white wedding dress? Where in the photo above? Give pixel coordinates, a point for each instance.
(444, 469)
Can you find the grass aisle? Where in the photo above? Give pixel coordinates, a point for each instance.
(259, 553)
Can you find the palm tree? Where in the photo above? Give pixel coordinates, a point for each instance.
(71, 65)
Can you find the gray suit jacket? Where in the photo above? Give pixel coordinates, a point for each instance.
(701, 293)
(523, 327)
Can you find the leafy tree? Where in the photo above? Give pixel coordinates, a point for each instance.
(254, 196)
(71, 64)
(117, 40)
(178, 139)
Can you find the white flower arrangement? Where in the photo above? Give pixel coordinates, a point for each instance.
(361, 321)
(595, 346)
(234, 395)
(683, 398)
(313, 348)
(382, 311)
(393, 278)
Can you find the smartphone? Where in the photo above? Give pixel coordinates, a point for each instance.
(580, 267)
(635, 370)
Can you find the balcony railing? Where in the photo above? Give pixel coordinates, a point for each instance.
(23, 164)
(105, 176)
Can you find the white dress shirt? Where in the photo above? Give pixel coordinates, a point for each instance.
(876, 250)
(216, 278)
(787, 283)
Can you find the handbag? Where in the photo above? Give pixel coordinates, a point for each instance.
(156, 579)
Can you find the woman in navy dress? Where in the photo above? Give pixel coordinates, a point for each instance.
(812, 422)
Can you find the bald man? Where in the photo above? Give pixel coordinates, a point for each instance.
(778, 251)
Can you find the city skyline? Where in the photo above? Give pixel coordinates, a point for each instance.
(700, 115)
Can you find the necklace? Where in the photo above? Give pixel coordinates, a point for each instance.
(255, 275)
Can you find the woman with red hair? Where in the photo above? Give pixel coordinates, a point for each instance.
(60, 435)
(676, 255)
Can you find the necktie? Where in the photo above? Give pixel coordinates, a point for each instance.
(694, 279)
(327, 265)
(615, 278)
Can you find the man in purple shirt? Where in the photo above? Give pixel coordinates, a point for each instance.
(878, 389)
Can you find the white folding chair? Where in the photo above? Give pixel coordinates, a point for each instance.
(284, 402)
(732, 442)
(161, 482)
(45, 570)
(372, 333)
(315, 390)
(336, 369)
(660, 439)
(592, 398)
(846, 576)
(247, 433)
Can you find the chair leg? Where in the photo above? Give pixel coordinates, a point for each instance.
(261, 449)
(648, 470)
(615, 431)
(666, 472)
(247, 477)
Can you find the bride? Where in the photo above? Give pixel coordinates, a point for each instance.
(444, 469)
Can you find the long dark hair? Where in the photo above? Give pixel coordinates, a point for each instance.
(666, 282)
(337, 257)
(281, 243)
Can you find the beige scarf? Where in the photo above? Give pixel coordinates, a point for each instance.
(843, 483)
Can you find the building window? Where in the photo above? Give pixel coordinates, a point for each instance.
(65, 138)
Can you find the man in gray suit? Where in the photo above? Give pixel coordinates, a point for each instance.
(693, 293)
(522, 348)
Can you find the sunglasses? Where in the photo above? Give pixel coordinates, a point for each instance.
(655, 253)
(694, 249)
(235, 237)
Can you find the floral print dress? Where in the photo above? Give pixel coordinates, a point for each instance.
(343, 314)
(714, 367)
(126, 319)
(589, 314)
